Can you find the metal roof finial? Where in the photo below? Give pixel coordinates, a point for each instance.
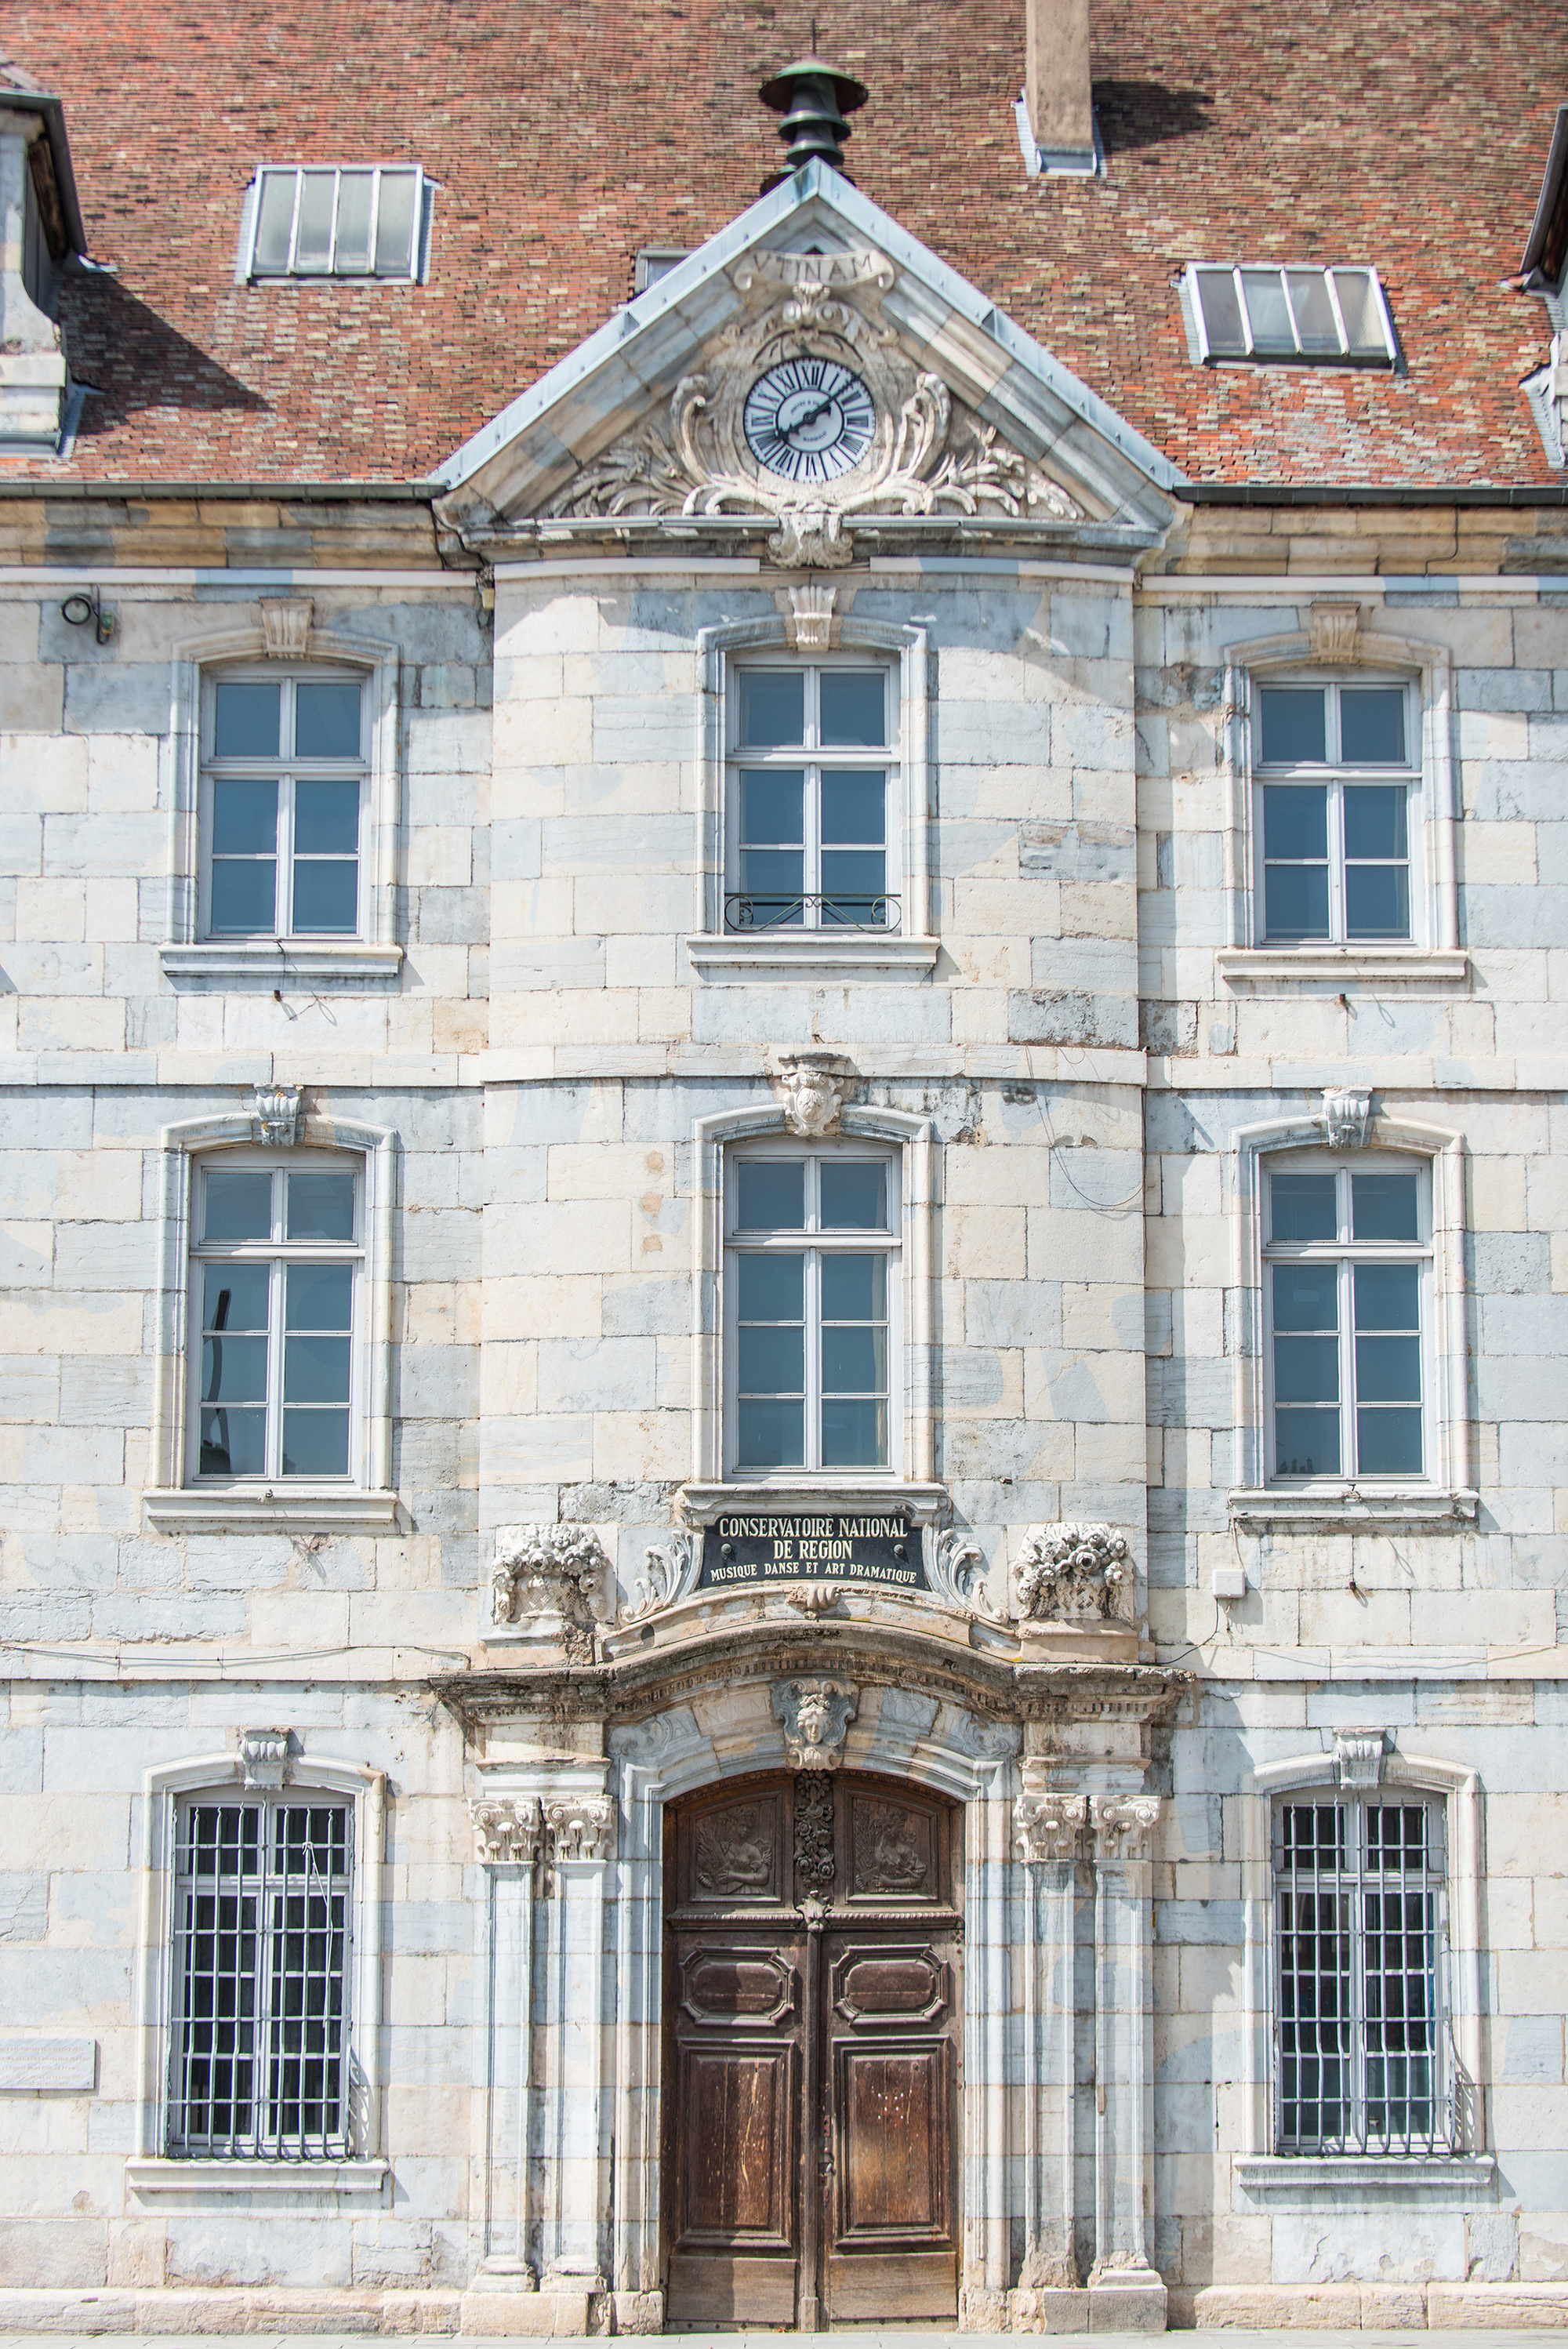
(814, 98)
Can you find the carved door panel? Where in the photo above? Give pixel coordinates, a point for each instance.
(813, 1997)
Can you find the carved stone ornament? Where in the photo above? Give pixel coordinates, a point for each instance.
(814, 1861)
(1333, 629)
(581, 1826)
(813, 1598)
(929, 455)
(815, 1716)
(274, 1115)
(956, 1567)
(1358, 1758)
(809, 619)
(985, 1741)
(1047, 1826)
(508, 1830)
(811, 1093)
(541, 1570)
(1123, 1826)
(669, 1573)
(1070, 1571)
(286, 623)
(1345, 1118)
(264, 1756)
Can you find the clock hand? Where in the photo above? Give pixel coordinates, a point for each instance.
(812, 415)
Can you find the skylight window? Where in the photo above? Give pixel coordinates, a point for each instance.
(358, 220)
(1322, 316)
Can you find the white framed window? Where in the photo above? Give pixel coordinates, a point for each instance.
(261, 1978)
(812, 797)
(334, 220)
(1361, 2028)
(813, 1314)
(1270, 315)
(1347, 1305)
(1337, 784)
(276, 1315)
(284, 804)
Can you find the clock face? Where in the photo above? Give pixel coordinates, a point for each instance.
(809, 419)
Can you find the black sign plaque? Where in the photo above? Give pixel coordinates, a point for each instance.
(883, 1552)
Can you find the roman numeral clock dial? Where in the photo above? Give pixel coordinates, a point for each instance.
(809, 419)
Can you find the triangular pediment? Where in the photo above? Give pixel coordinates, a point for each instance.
(933, 408)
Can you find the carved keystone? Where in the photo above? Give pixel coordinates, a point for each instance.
(811, 1093)
(1345, 1118)
(815, 1716)
(274, 1115)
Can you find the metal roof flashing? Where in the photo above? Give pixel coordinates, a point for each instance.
(18, 100)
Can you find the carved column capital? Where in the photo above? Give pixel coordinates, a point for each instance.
(1046, 1825)
(1123, 1826)
(815, 1716)
(581, 1827)
(507, 1829)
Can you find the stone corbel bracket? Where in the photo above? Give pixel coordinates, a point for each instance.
(1123, 1826)
(815, 1716)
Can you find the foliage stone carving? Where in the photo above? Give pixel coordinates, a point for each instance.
(1071, 1571)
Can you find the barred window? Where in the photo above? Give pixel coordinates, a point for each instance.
(259, 2061)
(1360, 2030)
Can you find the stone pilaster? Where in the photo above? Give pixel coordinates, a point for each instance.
(1046, 1825)
(1122, 1826)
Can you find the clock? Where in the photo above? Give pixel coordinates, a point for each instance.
(809, 419)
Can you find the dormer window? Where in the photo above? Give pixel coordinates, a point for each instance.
(1334, 318)
(331, 221)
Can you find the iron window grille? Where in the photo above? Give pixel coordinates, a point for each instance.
(275, 1311)
(334, 221)
(1338, 807)
(259, 2065)
(1347, 1290)
(284, 793)
(1323, 316)
(1361, 2026)
(811, 766)
(812, 1278)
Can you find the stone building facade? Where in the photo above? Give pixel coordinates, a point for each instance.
(782, 1328)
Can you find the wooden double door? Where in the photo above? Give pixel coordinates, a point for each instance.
(813, 2004)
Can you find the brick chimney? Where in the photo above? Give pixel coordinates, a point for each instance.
(1056, 83)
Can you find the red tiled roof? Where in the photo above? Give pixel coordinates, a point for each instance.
(1411, 134)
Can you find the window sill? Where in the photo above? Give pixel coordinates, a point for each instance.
(1352, 2177)
(268, 960)
(267, 1509)
(1366, 966)
(161, 2177)
(1345, 1506)
(718, 954)
(701, 1505)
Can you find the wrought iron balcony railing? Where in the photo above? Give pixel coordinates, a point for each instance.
(750, 909)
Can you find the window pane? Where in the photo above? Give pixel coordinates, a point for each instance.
(1263, 293)
(244, 896)
(234, 1297)
(1217, 297)
(855, 1195)
(1372, 725)
(1388, 1443)
(1295, 901)
(233, 1443)
(275, 221)
(1296, 822)
(855, 1288)
(772, 877)
(772, 881)
(854, 888)
(1314, 320)
(1306, 1443)
(1303, 1207)
(770, 1197)
(1363, 319)
(353, 257)
(315, 1444)
(320, 1297)
(1292, 728)
(772, 708)
(313, 243)
(855, 1435)
(1384, 1206)
(1397, 1835)
(771, 1288)
(854, 709)
(315, 1368)
(326, 896)
(1378, 901)
(245, 721)
(1306, 1369)
(1375, 819)
(1387, 1369)
(320, 1206)
(854, 1359)
(771, 1435)
(395, 225)
(233, 1415)
(326, 721)
(854, 807)
(771, 808)
(772, 1359)
(244, 817)
(1306, 1296)
(1388, 1297)
(238, 1204)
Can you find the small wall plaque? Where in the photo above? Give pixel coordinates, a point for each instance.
(58, 2067)
(879, 1552)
